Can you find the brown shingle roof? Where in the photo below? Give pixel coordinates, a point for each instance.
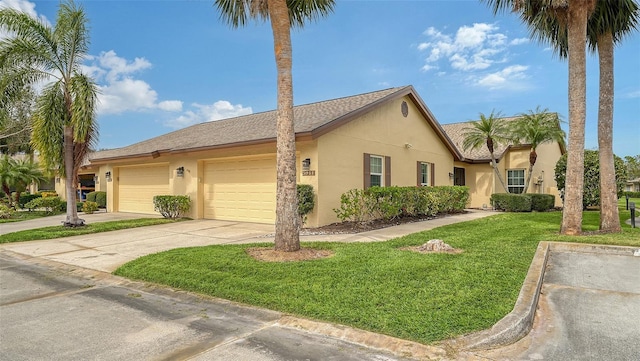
(250, 128)
(456, 132)
(311, 119)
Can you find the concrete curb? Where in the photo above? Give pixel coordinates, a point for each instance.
(369, 339)
(519, 321)
(594, 248)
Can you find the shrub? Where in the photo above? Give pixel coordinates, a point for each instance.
(26, 198)
(542, 202)
(46, 194)
(355, 206)
(306, 201)
(5, 211)
(591, 190)
(632, 194)
(172, 206)
(89, 207)
(98, 197)
(391, 202)
(91, 197)
(509, 202)
(101, 199)
(50, 204)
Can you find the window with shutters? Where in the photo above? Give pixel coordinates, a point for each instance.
(425, 177)
(375, 171)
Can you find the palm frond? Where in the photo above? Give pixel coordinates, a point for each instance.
(48, 126)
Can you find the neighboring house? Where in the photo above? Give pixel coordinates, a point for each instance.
(228, 167)
(513, 164)
(632, 185)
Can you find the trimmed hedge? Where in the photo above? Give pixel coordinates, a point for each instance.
(631, 194)
(171, 206)
(50, 204)
(26, 198)
(542, 202)
(388, 203)
(98, 197)
(89, 207)
(509, 202)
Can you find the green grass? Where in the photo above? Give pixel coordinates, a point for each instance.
(376, 286)
(24, 216)
(60, 231)
(622, 203)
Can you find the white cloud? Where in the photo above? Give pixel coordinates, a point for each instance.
(631, 94)
(24, 6)
(519, 41)
(475, 47)
(508, 78)
(220, 109)
(119, 91)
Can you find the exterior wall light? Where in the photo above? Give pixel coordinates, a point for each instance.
(451, 175)
(107, 175)
(180, 172)
(306, 164)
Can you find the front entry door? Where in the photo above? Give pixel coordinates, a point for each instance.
(458, 176)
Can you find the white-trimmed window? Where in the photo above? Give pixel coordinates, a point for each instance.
(424, 176)
(376, 170)
(515, 180)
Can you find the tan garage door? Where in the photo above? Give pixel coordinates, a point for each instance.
(241, 190)
(138, 186)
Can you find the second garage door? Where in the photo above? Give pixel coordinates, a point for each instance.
(241, 190)
(138, 186)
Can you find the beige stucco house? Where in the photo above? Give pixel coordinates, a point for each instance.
(227, 167)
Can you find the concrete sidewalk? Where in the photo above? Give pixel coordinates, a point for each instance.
(107, 251)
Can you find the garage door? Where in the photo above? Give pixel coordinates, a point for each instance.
(138, 186)
(241, 190)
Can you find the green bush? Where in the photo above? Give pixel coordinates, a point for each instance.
(591, 190)
(172, 206)
(355, 206)
(63, 206)
(5, 211)
(632, 194)
(50, 204)
(98, 197)
(46, 194)
(392, 202)
(91, 197)
(89, 207)
(542, 202)
(509, 202)
(306, 201)
(26, 198)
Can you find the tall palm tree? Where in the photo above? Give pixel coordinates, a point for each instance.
(18, 174)
(611, 21)
(573, 15)
(536, 128)
(489, 131)
(283, 14)
(64, 125)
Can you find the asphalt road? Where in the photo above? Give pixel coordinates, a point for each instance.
(64, 314)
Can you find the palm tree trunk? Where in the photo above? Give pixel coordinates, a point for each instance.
(287, 236)
(70, 179)
(494, 164)
(578, 15)
(609, 218)
(533, 156)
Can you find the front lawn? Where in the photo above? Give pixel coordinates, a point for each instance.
(60, 231)
(376, 286)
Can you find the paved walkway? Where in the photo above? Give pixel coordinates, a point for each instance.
(109, 250)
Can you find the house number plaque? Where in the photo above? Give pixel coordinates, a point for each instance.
(309, 173)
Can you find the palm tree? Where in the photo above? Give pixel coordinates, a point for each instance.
(536, 128)
(572, 15)
(283, 14)
(611, 21)
(491, 131)
(64, 125)
(18, 174)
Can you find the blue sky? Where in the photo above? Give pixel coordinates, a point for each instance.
(163, 65)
